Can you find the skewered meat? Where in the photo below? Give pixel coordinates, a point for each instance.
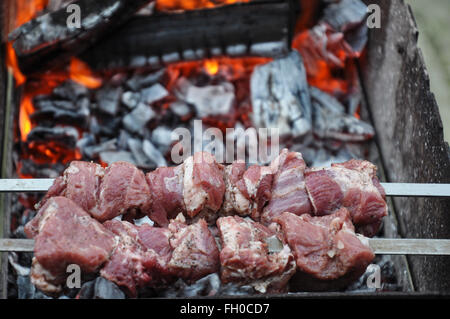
(80, 183)
(234, 200)
(166, 184)
(104, 194)
(245, 256)
(65, 234)
(247, 191)
(326, 247)
(352, 185)
(288, 190)
(123, 188)
(153, 256)
(204, 185)
(323, 247)
(195, 253)
(129, 263)
(202, 188)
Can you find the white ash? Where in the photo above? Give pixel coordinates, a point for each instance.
(138, 118)
(153, 154)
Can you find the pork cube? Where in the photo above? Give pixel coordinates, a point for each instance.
(66, 234)
(326, 248)
(288, 190)
(245, 256)
(353, 185)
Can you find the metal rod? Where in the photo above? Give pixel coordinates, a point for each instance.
(407, 246)
(391, 189)
(415, 189)
(380, 246)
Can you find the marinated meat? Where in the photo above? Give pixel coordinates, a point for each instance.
(245, 257)
(352, 185)
(288, 190)
(123, 188)
(247, 191)
(235, 202)
(204, 185)
(166, 185)
(326, 247)
(65, 234)
(195, 253)
(131, 264)
(80, 183)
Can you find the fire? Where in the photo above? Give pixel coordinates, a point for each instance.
(81, 73)
(26, 109)
(13, 66)
(211, 66)
(27, 10)
(170, 5)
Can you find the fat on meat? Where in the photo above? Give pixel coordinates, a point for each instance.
(326, 248)
(65, 234)
(245, 256)
(288, 190)
(353, 185)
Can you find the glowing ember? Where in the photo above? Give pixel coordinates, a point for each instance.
(211, 66)
(26, 109)
(81, 73)
(27, 9)
(170, 5)
(13, 66)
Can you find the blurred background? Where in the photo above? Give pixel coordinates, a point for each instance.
(433, 21)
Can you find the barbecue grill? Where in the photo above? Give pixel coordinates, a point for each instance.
(408, 146)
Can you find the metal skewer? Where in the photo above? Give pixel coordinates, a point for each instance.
(382, 246)
(391, 189)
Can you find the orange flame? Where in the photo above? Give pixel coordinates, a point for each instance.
(13, 65)
(81, 73)
(27, 9)
(26, 109)
(211, 66)
(170, 5)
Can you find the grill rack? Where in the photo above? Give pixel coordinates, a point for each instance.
(390, 246)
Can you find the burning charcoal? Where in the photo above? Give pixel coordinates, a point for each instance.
(31, 168)
(357, 38)
(162, 137)
(26, 289)
(206, 286)
(87, 140)
(138, 118)
(109, 125)
(105, 289)
(110, 157)
(100, 288)
(331, 121)
(181, 109)
(153, 154)
(154, 93)
(345, 14)
(50, 112)
(280, 96)
(122, 140)
(93, 151)
(65, 136)
(142, 160)
(108, 98)
(70, 90)
(131, 99)
(211, 100)
(139, 81)
(54, 5)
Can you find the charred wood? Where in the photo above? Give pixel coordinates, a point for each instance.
(255, 28)
(40, 41)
